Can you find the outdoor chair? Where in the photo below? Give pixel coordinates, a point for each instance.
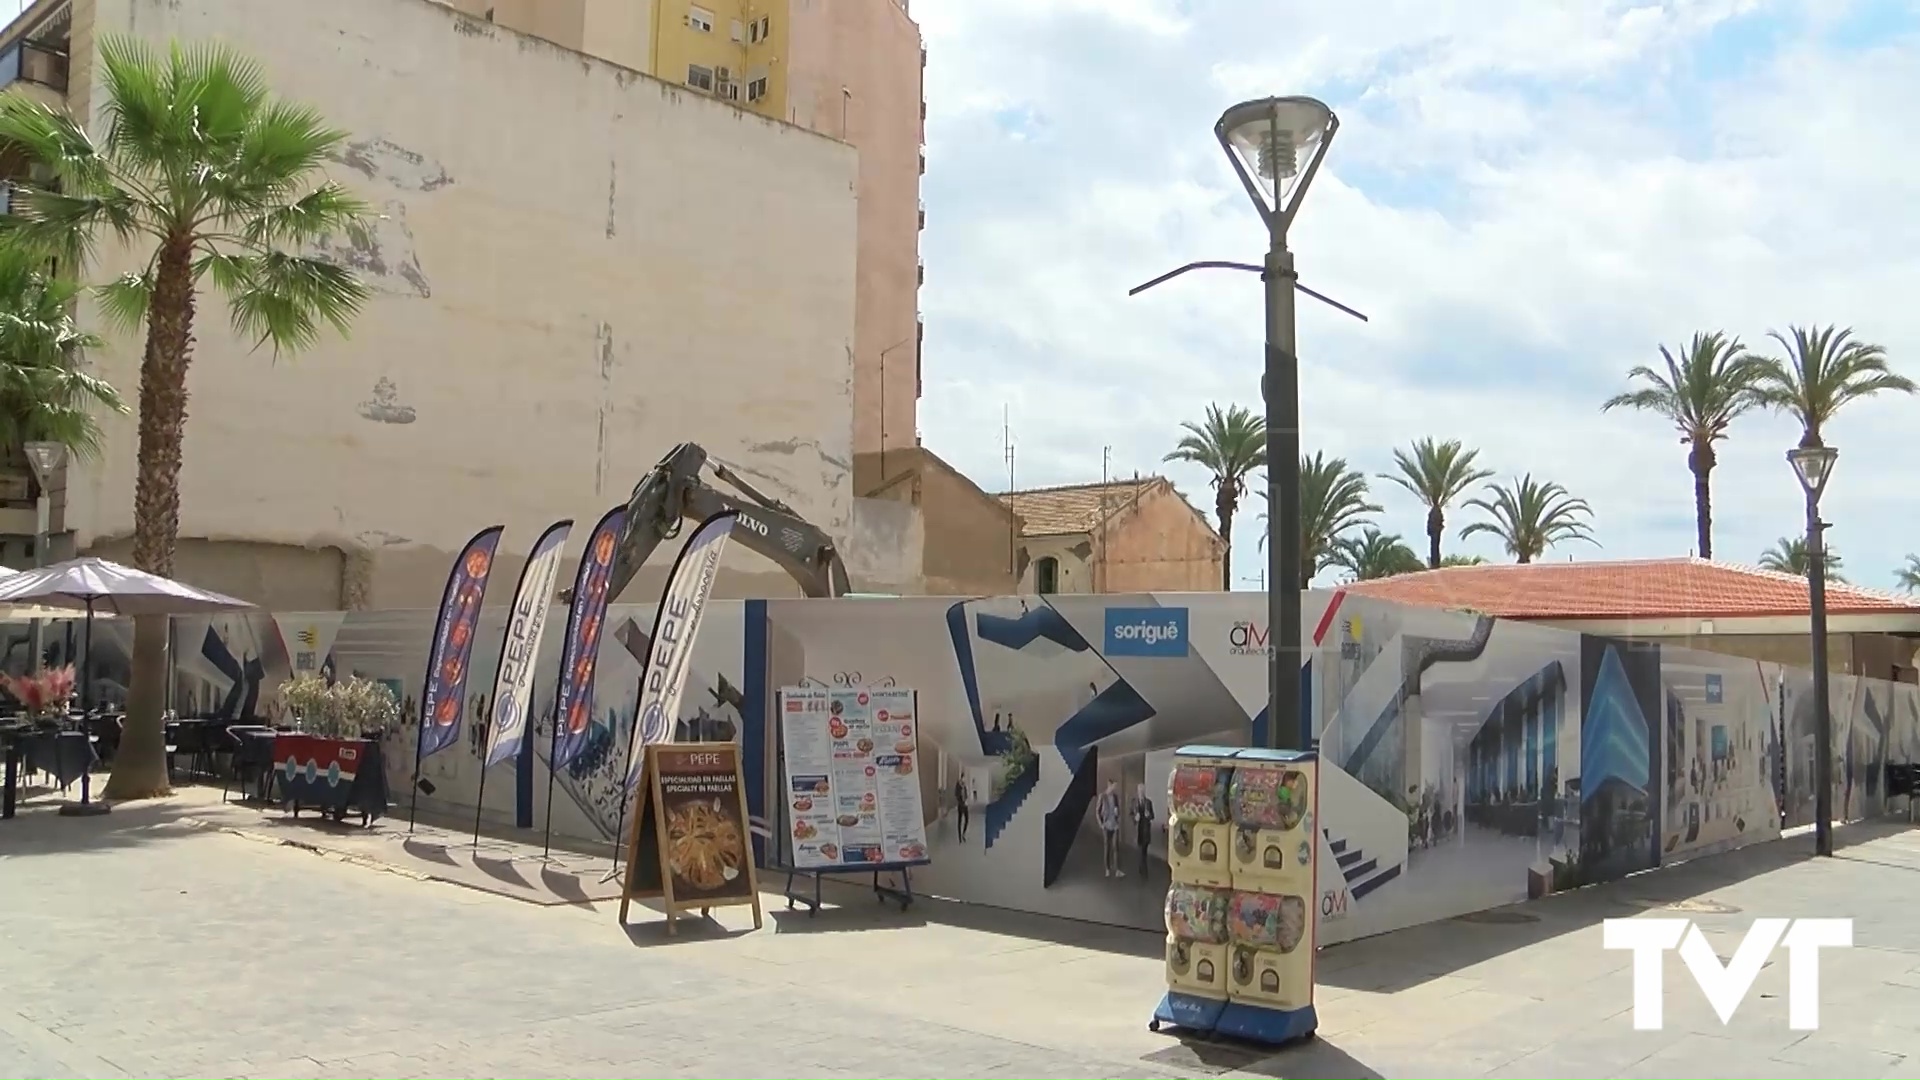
(1903, 780)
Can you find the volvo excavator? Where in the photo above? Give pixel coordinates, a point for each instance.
(674, 491)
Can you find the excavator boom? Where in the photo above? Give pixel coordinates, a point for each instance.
(674, 491)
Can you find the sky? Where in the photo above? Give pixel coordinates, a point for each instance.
(1527, 198)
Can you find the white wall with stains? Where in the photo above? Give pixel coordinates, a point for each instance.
(575, 268)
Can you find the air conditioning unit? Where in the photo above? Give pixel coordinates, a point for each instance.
(723, 74)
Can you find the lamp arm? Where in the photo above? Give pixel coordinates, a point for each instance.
(1215, 264)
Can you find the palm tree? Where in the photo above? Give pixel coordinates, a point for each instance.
(1333, 501)
(1230, 445)
(1373, 555)
(1700, 394)
(44, 394)
(198, 160)
(1908, 576)
(1436, 473)
(1825, 369)
(1788, 555)
(1530, 516)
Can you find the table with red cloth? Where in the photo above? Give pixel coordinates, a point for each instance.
(334, 776)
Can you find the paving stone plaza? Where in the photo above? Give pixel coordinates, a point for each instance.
(187, 938)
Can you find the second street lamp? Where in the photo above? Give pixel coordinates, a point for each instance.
(1814, 467)
(1276, 146)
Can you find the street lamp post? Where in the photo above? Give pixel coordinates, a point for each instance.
(46, 458)
(1276, 146)
(1814, 466)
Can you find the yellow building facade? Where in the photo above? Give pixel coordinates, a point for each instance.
(731, 49)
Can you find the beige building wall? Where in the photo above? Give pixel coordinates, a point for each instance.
(1160, 546)
(970, 541)
(853, 70)
(575, 267)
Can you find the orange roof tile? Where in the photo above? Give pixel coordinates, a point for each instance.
(1076, 508)
(1629, 589)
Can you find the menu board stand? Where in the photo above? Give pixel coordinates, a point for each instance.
(836, 731)
(690, 848)
(881, 890)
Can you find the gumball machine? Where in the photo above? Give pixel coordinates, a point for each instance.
(1240, 926)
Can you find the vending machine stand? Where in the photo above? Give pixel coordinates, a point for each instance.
(1249, 1020)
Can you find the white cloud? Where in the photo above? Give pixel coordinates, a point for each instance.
(1525, 198)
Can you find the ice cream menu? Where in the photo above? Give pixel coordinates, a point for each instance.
(852, 762)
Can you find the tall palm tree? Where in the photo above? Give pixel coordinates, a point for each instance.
(1230, 445)
(1373, 555)
(1788, 555)
(213, 180)
(1436, 473)
(1824, 369)
(1333, 501)
(1700, 394)
(1908, 576)
(45, 395)
(1530, 516)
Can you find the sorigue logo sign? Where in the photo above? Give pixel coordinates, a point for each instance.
(1146, 632)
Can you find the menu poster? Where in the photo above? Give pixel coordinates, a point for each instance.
(853, 791)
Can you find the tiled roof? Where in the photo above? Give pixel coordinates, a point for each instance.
(1077, 508)
(1634, 589)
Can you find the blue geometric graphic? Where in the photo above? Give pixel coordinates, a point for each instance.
(1614, 734)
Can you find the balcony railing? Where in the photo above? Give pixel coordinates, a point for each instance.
(34, 62)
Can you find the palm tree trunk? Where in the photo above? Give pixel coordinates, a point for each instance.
(140, 766)
(1436, 527)
(1701, 462)
(1224, 505)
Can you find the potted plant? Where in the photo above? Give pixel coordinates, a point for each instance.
(44, 694)
(350, 708)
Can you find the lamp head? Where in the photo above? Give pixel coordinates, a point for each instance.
(1814, 466)
(1276, 145)
(46, 459)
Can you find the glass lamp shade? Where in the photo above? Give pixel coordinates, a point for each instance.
(46, 459)
(1814, 466)
(1275, 139)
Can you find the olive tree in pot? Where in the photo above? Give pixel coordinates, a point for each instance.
(349, 708)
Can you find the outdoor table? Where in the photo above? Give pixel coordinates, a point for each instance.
(66, 755)
(333, 775)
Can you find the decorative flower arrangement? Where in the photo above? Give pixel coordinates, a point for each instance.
(42, 694)
(345, 709)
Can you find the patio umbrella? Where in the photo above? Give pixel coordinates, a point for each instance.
(101, 587)
(24, 612)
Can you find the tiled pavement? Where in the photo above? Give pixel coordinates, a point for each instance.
(147, 943)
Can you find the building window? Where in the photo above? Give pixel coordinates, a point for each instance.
(730, 91)
(700, 19)
(1046, 575)
(738, 32)
(700, 78)
(760, 30)
(757, 89)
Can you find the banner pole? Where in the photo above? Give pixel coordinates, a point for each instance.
(480, 800)
(620, 825)
(553, 754)
(419, 743)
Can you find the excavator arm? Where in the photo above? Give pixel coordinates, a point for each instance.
(674, 492)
